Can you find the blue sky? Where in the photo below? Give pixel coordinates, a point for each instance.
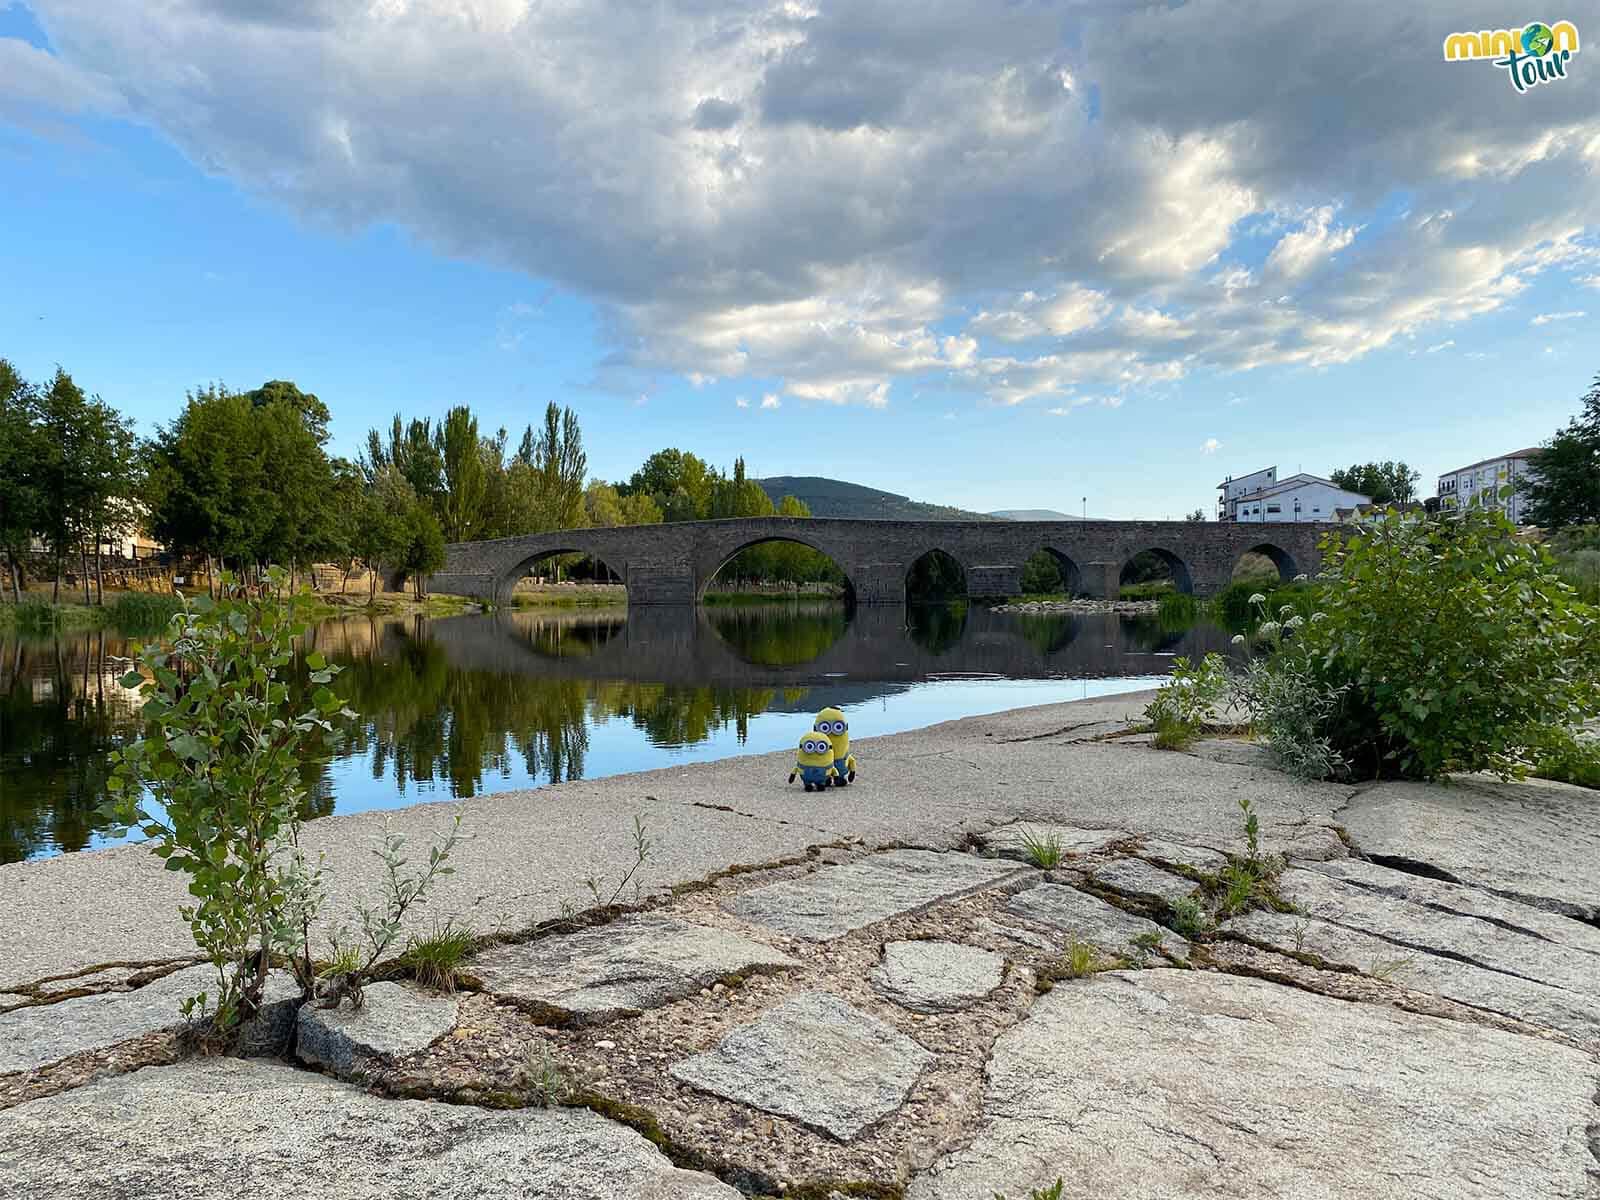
(1322, 291)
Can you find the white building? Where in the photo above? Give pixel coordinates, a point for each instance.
(1261, 496)
(1480, 483)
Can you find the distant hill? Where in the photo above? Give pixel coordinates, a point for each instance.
(836, 498)
(1032, 514)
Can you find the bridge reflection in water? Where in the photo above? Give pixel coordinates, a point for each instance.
(460, 706)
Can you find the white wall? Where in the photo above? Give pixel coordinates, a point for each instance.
(1317, 503)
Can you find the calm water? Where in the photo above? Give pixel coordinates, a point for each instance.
(460, 706)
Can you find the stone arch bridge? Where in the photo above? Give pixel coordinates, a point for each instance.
(673, 563)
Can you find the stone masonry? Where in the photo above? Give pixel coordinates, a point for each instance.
(672, 564)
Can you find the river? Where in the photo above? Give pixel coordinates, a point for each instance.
(462, 706)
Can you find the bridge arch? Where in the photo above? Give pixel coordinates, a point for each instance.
(508, 579)
(1068, 571)
(1182, 577)
(935, 576)
(1288, 568)
(713, 565)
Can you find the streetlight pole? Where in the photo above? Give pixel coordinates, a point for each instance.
(1086, 510)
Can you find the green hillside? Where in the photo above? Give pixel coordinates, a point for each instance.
(836, 498)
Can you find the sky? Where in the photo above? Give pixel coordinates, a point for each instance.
(988, 253)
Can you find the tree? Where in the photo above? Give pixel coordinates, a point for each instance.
(678, 482)
(1198, 514)
(108, 475)
(19, 497)
(1563, 488)
(465, 483)
(560, 464)
(1383, 483)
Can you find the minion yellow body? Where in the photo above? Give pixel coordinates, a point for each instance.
(814, 762)
(832, 725)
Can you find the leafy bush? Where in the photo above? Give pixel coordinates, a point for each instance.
(1570, 759)
(1235, 608)
(1187, 701)
(221, 760)
(1178, 610)
(1287, 701)
(1458, 646)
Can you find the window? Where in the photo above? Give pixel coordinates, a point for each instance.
(1273, 508)
(1316, 510)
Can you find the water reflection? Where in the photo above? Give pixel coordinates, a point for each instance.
(459, 706)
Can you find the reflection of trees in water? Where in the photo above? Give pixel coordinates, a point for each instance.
(1049, 632)
(423, 720)
(565, 636)
(61, 712)
(937, 628)
(682, 716)
(780, 635)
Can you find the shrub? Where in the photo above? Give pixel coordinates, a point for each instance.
(1460, 646)
(1582, 571)
(221, 760)
(1291, 707)
(1570, 759)
(1178, 610)
(1187, 701)
(1188, 917)
(1152, 590)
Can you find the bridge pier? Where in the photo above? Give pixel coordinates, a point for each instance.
(1002, 580)
(662, 583)
(1101, 580)
(877, 582)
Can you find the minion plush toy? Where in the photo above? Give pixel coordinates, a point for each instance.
(813, 762)
(832, 725)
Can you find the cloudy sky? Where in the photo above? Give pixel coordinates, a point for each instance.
(996, 253)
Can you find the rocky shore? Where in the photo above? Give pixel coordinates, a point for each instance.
(1127, 608)
(876, 992)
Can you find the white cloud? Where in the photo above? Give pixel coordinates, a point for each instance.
(740, 402)
(1236, 401)
(1548, 318)
(1444, 345)
(1589, 281)
(1210, 446)
(770, 400)
(819, 195)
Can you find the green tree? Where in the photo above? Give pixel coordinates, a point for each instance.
(1563, 488)
(108, 473)
(410, 450)
(678, 482)
(19, 495)
(560, 465)
(1384, 483)
(461, 501)
(301, 521)
(1198, 514)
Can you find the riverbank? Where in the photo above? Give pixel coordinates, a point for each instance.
(873, 989)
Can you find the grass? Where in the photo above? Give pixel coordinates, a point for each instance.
(436, 958)
(547, 1085)
(143, 612)
(1080, 959)
(1146, 591)
(1189, 918)
(1044, 851)
(1053, 1192)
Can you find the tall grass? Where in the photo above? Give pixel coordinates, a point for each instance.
(142, 612)
(1582, 571)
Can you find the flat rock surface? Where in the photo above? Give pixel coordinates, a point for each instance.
(835, 900)
(220, 1128)
(625, 967)
(932, 977)
(45, 1033)
(1012, 840)
(1574, 1013)
(393, 1021)
(1465, 901)
(1196, 857)
(1090, 919)
(1472, 939)
(1533, 841)
(1135, 877)
(1138, 1085)
(816, 1059)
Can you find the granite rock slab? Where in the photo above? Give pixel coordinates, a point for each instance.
(221, 1128)
(1010, 840)
(935, 977)
(41, 1034)
(620, 969)
(1089, 919)
(833, 901)
(816, 1059)
(1192, 1083)
(1533, 841)
(392, 1022)
(1574, 1013)
(1135, 877)
(1419, 928)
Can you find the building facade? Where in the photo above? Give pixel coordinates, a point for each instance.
(1262, 497)
(1482, 482)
